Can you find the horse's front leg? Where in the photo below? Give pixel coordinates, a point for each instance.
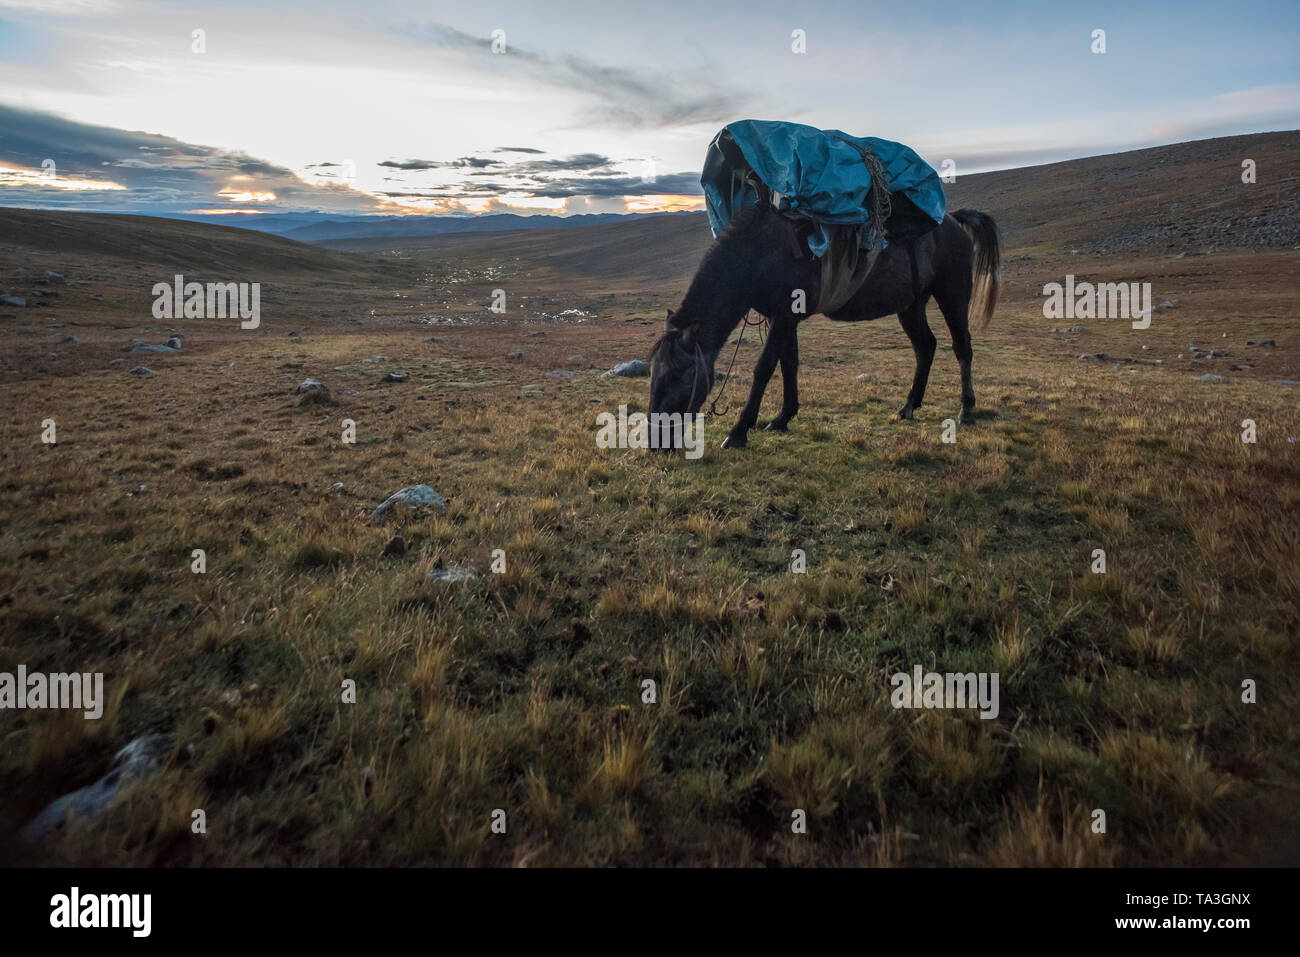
(789, 383)
(772, 350)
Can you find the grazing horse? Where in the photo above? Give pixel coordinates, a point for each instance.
(758, 263)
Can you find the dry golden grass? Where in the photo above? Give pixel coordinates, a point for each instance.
(523, 691)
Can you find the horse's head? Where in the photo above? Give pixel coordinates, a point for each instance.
(681, 373)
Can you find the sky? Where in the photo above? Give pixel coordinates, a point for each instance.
(561, 107)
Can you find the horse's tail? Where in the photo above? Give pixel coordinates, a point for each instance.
(983, 232)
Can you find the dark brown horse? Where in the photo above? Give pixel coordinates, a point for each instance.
(756, 263)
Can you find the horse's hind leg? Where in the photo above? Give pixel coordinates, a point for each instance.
(923, 344)
(789, 383)
(954, 308)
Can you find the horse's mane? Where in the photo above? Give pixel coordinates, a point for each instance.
(718, 267)
(722, 270)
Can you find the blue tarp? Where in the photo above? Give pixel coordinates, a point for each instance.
(821, 176)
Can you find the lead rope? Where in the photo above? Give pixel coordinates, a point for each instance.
(713, 410)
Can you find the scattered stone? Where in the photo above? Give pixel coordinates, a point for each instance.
(375, 359)
(142, 370)
(26, 331)
(866, 377)
(1267, 343)
(395, 546)
(561, 374)
(575, 358)
(1097, 356)
(12, 301)
(133, 762)
(114, 362)
(533, 335)
(413, 496)
(313, 392)
(450, 573)
(433, 339)
(174, 343)
(1209, 377)
(1166, 305)
(1285, 382)
(1146, 348)
(150, 347)
(51, 276)
(516, 354)
(632, 369)
(294, 334)
(20, 273)
(336, 487)
(1217, 353)
(396, 377)
(69, 341)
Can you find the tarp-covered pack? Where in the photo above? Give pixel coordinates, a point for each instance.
(825, 177)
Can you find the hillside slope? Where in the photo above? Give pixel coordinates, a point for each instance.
(148, 240)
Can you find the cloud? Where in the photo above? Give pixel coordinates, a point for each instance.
(464, 162)
(624, 98)
(517, 149)
(63, 8)
(157, 174)
(596, 187)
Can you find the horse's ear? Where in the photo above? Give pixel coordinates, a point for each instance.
(668, 323)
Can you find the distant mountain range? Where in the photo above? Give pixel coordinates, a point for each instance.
(317, 227)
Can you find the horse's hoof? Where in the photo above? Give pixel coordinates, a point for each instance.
(776, 425)
(732, 442)
(967, 417)
(905, 412)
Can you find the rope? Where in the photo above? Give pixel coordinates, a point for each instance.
(763, 322)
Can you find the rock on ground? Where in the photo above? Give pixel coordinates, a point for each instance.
(310, 385)
(133, 762)
(142, 370)
(450, 573)
(413, 496)
(632, 369)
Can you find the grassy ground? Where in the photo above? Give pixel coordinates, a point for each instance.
(523, 691)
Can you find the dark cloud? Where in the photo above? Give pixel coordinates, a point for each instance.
(464, 162)
(580, 161)
(158, 174)
(517, 149)
(675, 184)
(625, 98)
